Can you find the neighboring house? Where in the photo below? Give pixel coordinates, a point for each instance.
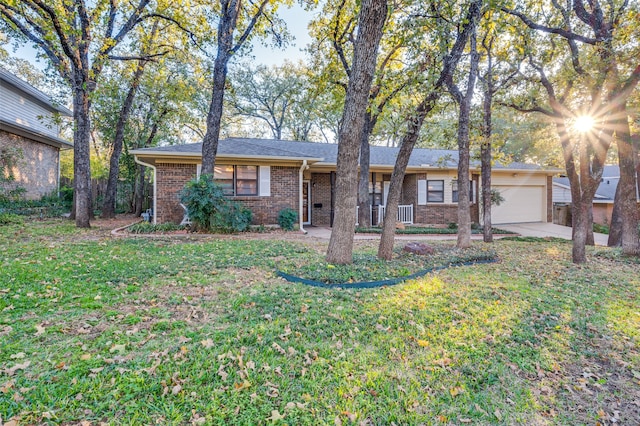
(28, 128)
(270, 175)
(602, 200)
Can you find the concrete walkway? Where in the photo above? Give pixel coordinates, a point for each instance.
(538, 229)
(525, 229)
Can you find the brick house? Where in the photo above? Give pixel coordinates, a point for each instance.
(28, 128)
(269, 175)
(603, 199)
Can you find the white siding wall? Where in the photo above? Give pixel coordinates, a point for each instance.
(15, 107)
(561, 194)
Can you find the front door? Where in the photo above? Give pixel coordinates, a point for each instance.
(306, 204)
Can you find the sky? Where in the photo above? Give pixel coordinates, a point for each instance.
(297, 20)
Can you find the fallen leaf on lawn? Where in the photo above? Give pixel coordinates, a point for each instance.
(96, 370)
(278, 348)
(240, 386)
(351, 416)
(498, 414)
(207, 343)
(291, 350)
(442, 419)
(176, 389)
(251, 365)
(98, 297)
(11, 423)
(290, 406)
(455, 391)
(17, 397)
(40, 330)
(11, 371)
(422, 343)
(19, 355)
(85, 357)
(465, 420)
(275, 415)
(337, 421)
(223, 374)
(119, 348)
(273, 393)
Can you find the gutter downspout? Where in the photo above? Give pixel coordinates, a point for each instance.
(155, 211)
(300, 202)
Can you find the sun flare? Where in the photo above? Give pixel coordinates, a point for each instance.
(584, 123)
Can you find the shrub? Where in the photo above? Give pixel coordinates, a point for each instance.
(287, 218)
(452, 225)
(210, 210)
(150, 228)
(10, 219)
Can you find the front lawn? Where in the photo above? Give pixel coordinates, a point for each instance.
(201, 331)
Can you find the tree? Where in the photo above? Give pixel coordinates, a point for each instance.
(464, 118)
(78, 40)
(232, 13)
(283, 97)
(495, 75)
(334, 32)
(590, 74)
(451, 56)
(371, 19)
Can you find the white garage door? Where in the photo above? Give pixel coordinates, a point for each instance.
(521, 204)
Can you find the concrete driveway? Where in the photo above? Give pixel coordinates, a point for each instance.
(539, 229)
(536, 229)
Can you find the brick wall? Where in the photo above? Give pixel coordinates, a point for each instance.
(36, 171)
(285, 190)
(320, 194)
(171, 178)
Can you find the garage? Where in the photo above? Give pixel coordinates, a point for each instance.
(521, 204)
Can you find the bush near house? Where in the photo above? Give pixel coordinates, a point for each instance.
(210, 210)
(287, 218)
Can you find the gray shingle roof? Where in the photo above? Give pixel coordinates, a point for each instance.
(382, 156)
(607, 189)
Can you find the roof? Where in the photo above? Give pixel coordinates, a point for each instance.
(320, 153)
(606, 191)
(23, 86)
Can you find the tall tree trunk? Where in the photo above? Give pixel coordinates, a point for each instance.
(464, 118)
(615, 227)
(226, 28)
(371, 19)
(628, 193)
(485, 165)
(414, 124)
(109, 202)
(81, 154)
(581, 224)
(385, 249)
(485, 152)
(364, 201)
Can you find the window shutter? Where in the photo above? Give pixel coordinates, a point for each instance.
(198, 171)
(422, 192)
(265, 181)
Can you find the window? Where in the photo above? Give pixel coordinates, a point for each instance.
(435, 191)
(237, 180)
(454, 191)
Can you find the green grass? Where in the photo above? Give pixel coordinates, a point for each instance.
(136, 331)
